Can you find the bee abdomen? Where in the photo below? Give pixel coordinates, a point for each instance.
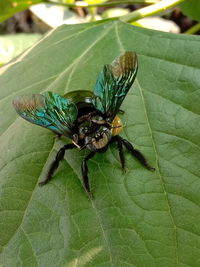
(117, 126)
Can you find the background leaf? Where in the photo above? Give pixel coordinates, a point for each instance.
(10, 7)
(12, 45)
(138, 218)
(191, 8)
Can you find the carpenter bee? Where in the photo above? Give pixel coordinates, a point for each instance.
(88, 118)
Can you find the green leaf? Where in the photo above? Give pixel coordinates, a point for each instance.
(10, 7)
(137, 218)
(191, 8)
(13, 45)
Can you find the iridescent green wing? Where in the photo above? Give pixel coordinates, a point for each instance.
(114, 82)
(49, 110)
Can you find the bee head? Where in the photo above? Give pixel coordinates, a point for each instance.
(99, 139)
(83, 130)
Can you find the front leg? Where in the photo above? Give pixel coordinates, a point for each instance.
(84, 170)
(54, 165)
(136, 153)
(118, 140)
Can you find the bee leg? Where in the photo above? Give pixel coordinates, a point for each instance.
(84, 170)
(121, 111)
(119, 142)
(136, 153)
(54, 165)
(57, 136)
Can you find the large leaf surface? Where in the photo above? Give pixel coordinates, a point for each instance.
(138, 218)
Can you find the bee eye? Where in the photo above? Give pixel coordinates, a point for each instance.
(97, 135)
(83, 130)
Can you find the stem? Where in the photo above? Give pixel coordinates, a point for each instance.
(193, 29)
(92, 11)
(150, 10)
(107, 4)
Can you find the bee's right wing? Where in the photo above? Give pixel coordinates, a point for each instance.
(114, 82)
(49, 110)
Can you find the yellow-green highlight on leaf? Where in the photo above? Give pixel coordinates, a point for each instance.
(102, 3)
(115, 12)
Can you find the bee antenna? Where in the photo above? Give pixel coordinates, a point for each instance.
(83, 147)
(90, 142)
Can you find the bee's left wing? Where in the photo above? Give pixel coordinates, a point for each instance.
(49, 110)
(114, 82)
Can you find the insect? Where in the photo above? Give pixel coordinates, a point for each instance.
(88, 118)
